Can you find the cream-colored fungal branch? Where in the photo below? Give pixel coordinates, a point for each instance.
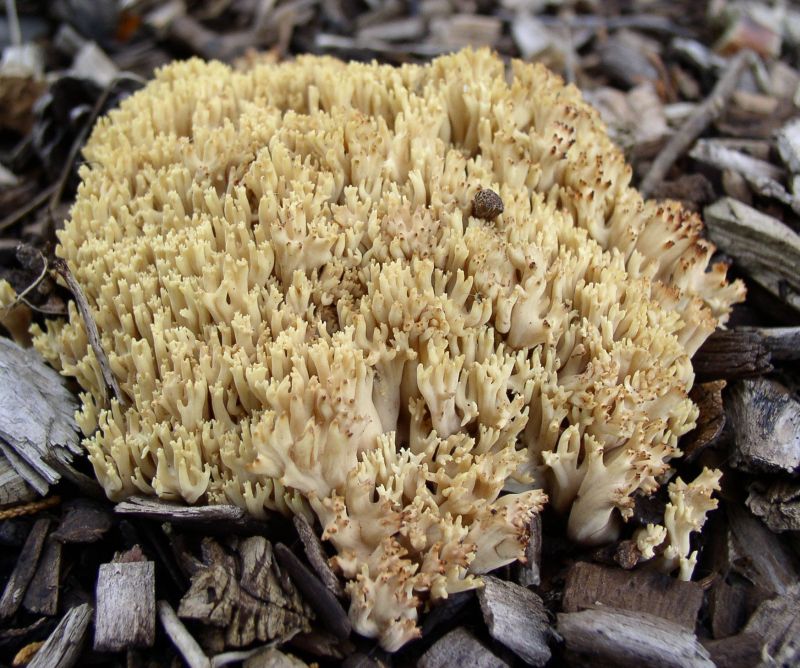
(685, 513)
(305, 315)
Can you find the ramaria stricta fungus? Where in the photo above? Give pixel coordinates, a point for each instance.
(306, 316)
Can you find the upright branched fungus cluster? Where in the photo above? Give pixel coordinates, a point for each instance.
(305, 315)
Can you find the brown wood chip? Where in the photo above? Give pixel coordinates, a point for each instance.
(326, 605)
(85, 521)
(710, 422)
(126, 606)
(731, 354)
(24, 569)
(42, 595)
(589, 585)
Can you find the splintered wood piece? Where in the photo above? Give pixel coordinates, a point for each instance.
(778, 505)
(765, 419)
(763, 246)
(516, 617)
(609, 636)
(589, 585)
(24, 569)
(223, 516)
(757, 554)
(316, 555)
(326, 605)
(783, 343)
(529, 573)
(36, 416)
(13, 488)
(459, 648)
(181, 638)
(261, 604)
(63, 647)
(731, 354)
(126, 606)
(788, 140)
(777, 623)
(710, 422)
(85, 521)
(42, 595)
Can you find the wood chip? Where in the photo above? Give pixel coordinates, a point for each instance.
(24, 569)
(36, 415)
(765, 420)
(42, 594)
(326, 605)
(126, 606)
(754, 552)
(783, 343)
(245, 594)
(728, 607)
(607, 636)
(274, 658)
(63, 647)
(700, 119)
(763, 246)
(528, 574)
(777, 623)
(181, 638)
(459, 648)
(13, 488)
(224, 517)
(710, 422)
(316, 555)
(777, 504)
(517, 618)
(739, 651)
(85, 521)
(589, 585)
(731, 354)
(717, 154)
(788, 140)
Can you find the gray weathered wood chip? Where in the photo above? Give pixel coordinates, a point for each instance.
(762, 245)
(459, 648)
(220, 516)
(517, 618)
(765, 420)
(778, 505)
(63, 647)
(126, 606)
(609, 636)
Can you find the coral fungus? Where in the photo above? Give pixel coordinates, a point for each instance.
(305, 315)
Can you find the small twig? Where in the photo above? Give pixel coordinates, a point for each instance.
(91, 329)
(29, 508)
(181, 638)
(24, 210)
(702, 116)
(13, 23)
(79, 141)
